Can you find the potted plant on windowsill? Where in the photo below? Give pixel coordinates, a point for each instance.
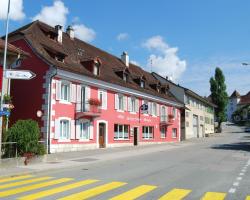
(94, 104)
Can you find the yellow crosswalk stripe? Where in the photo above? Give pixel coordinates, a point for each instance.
(248, 198)
(176, 194)
(134, 193)
(94, 191)
(3, 180)
(50, 192)
(8, 185)
(214, 196)
(33, 187)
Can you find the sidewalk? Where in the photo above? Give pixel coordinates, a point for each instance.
(9, 167)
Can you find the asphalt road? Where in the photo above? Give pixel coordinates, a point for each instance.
(220, 164)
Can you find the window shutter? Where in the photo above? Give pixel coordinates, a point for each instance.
(58, 89)
(137, 105)
(157, 109)
(72, 129)
(78, 97)
(57, 129)
(73, 93)
(116, 101)
(87, 97)
(78, 130)
(124, 103)
(91, 132)
(129, 104)
(105, 99)
(149, 108)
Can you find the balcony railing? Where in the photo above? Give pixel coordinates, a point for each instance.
(166, 120)
(87, 110)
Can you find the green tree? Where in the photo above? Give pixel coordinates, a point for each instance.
(219, 96)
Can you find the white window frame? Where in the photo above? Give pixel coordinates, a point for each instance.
(123, 132)
(174, 132)
(147, 135)
(154, 109)
(62, 138)
(133, 104)
(65, 83)
(103, 101)
(142, 84)
(120, 102)
(81, 131)
(174, 110)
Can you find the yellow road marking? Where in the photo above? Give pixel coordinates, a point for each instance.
(214, 196)
(176, 194)
(248, 198)
(24, 182)
(46, 193)
(33, 187)
(3, 180)
(94, 191)
(134, 193)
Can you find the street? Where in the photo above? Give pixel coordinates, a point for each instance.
(208, 168)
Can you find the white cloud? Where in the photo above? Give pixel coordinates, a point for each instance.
(84, 33)
(16, 10)
(122, 36)
(164, 60)
(135, 62)
(53, 15)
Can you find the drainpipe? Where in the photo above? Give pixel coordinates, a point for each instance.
(49, 110)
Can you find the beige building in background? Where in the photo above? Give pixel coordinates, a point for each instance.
(197, 117)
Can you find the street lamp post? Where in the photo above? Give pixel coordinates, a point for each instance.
(3, 79)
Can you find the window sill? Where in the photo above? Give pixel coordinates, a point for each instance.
(163, 137)
(64, 140)
(84, 140)
(65, 102)
(120, 110)
(121, 139)
(134, 113)
(148, 138)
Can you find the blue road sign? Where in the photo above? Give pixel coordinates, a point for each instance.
(144, 107)
(4, 112)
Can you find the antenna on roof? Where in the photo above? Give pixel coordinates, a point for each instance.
(151, 64)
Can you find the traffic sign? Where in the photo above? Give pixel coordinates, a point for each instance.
(144, 107)
(19, 74)
(3, 112)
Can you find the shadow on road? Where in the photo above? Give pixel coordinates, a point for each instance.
(240, 146)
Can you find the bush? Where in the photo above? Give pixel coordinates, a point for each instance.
(26, 133)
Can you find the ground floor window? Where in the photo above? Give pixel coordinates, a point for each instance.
(174, 133)
(147, 132)
(84, 130)
(121, 132)
(163, 132)
(64, 129)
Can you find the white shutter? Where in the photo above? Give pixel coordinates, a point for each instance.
(125, 103)
(104, 100)
(157, 109)
(72, 129)
(78, 129)
(137, 105)
(87, 97)
(91, 132)
(58, 89)
(116, 101)
(129, 104)
(57, 129)
(78, 97)
(73, 93)
(149, 108)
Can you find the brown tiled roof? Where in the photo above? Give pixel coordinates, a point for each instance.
(12, 48)
(245, 99)
(235, 94)
(34, 33)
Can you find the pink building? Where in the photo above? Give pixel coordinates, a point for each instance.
(89, 98)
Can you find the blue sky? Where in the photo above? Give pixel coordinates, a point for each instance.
(182, 39)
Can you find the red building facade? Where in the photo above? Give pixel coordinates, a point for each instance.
(89, 98)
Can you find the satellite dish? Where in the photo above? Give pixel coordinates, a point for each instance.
(16, 63)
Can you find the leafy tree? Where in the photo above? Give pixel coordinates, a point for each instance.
(219, 96)
(26, 133)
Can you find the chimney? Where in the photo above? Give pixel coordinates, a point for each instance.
(59, 33)
(70, 32)
(125, 58)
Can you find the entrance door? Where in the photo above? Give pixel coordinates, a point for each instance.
(135, 136)
(102, 134)
(195, 126)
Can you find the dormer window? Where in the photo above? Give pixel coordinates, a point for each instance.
(59, 58)
(125, 77)
(96, 68)
(142, 84)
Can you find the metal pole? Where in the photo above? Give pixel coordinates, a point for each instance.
(4, 68)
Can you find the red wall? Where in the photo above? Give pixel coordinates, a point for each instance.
(27, 94)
